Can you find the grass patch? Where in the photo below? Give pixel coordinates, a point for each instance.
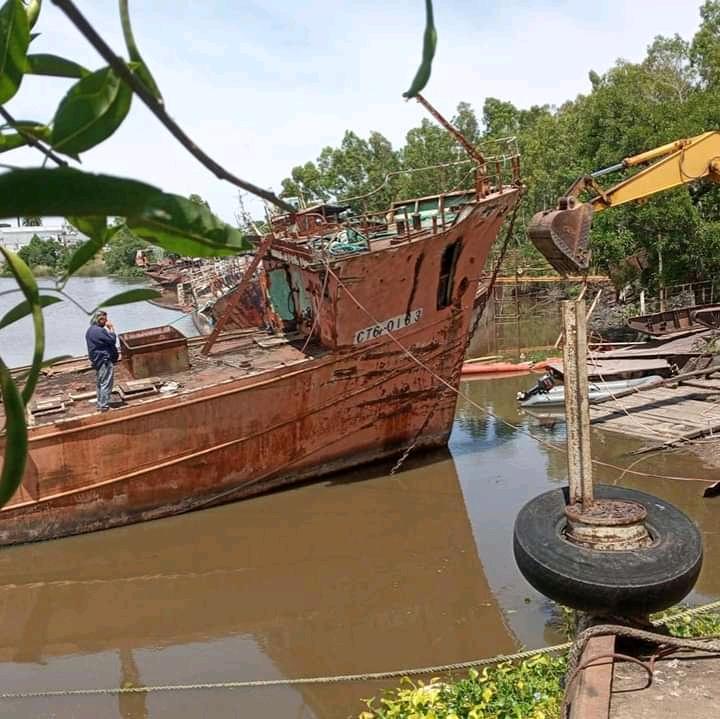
(706, 624)
(531, 689)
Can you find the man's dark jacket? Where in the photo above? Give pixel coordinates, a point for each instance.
(101, 346)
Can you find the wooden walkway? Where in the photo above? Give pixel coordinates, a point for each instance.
(663, 413)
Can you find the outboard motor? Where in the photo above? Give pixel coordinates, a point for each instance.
(542, 386)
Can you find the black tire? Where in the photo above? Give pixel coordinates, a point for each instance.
(630, 582)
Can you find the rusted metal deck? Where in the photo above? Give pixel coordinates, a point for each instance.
(684, 685)
(664, 413)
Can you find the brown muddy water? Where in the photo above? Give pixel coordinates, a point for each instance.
(361, 572)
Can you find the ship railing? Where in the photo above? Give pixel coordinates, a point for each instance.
(408, 219)
(470, 182)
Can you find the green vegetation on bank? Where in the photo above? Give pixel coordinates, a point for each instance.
(50, 257)
(674, 92)
(531, 689)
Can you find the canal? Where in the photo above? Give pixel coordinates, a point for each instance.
(361, 572)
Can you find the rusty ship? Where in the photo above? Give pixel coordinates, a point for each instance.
(357, 357)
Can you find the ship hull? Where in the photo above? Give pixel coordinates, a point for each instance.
(359, 403)
(228, 443)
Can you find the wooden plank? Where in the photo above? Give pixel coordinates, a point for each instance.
(680, 438)
(593, 686)
(679, 414)
(693, 410)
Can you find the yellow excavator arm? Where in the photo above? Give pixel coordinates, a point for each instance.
(562, 234)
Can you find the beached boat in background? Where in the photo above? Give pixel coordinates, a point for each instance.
(676, 321)
(368, 320)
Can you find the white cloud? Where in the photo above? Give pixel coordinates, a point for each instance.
(263, 87)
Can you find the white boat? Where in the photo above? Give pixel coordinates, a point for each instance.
(597, 391)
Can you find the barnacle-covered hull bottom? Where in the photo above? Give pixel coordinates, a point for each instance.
(365, 340)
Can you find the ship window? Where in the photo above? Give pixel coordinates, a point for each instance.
(447, 273)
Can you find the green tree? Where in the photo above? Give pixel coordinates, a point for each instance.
(355, 169)
(31, 221)
(198, 200)
(46, 253)
(705, 46)
(121, 251)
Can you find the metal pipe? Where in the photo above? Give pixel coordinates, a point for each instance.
(607, 170)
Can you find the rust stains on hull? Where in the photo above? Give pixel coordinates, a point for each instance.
(291, 415)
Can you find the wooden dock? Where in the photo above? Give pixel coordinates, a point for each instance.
(663, 414)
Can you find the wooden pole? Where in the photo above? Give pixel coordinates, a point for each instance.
(577, 405)
(560, 336)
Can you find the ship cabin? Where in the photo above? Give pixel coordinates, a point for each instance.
(332, 281)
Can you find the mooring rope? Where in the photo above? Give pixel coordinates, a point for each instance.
(264, 683)
(366, 676)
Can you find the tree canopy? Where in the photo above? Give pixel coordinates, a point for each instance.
(674, 92)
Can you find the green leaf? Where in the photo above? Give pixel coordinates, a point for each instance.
(11, 140)
(14, 40)
(90, 112)
(33, 12)
(84, 253)
(16, 439)
(36, 129)
(91, 226)
(141, 69)
(53, 65)
(24, 308)
(429, 44)
(170, 221)
(125, 298)
(64, 191)
(29, 288)
(180, 225)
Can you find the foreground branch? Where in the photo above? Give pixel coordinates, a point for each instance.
(122, 71)
(31, 140)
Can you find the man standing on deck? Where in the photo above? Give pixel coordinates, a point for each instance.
(102, 351)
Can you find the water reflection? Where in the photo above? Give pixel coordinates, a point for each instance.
(523, 462)
(338, 577)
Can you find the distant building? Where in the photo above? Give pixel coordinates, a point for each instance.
(15, 238)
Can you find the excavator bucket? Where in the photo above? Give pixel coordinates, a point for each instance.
(562, 236)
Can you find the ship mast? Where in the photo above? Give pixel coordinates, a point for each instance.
(481, 178)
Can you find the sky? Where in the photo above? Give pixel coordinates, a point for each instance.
(264, 86)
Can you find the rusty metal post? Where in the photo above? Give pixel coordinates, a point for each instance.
(577, 406)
